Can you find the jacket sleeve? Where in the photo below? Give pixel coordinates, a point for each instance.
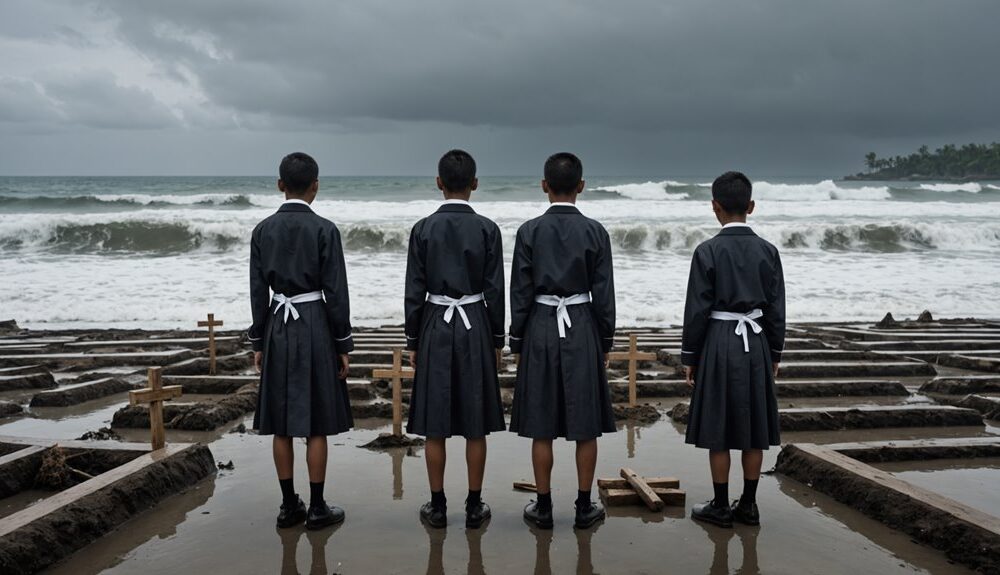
(335, 294)
(260, 296)
(522, 291)
(415, 290)
(602, 294)
(698, 307)
(773, 321)
(494, 287)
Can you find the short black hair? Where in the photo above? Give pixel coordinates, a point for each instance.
(457, 170)
(298, 171)
(563, 173)
(732, 190)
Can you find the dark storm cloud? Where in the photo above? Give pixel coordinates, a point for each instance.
(891, 68)
(794, 86)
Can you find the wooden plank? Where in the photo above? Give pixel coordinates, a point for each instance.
(50, 504)
(654, 482)
(525, 486)
(645, 492)
(622, 497)
(150, 395)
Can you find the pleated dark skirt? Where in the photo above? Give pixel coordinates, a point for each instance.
(562, 385)
(456, 390)
(733, 405)
(301, 394)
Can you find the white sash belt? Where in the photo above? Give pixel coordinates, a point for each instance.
(560, 303)
(741, 319)
(453, 304)
(286, 302)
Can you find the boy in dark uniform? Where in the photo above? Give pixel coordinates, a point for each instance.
(455, 330)
(299, 336)
(562, 300)
(734, 333)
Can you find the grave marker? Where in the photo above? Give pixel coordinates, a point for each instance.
(396, 375)
(155, 395)
(633, 356)
(211, 324)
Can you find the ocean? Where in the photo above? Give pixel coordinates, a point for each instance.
(161, 252)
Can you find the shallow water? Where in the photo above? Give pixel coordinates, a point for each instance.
(970, 481)
(226, 524)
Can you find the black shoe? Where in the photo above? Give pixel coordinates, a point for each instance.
(746, 513)
(321, 516)
(291, 515)
(538, 517)
(587, 516)
(476, 516)
(709, 513)
(434, 516)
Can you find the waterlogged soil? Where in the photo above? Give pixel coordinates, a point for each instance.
(226, 525)
(969, 481)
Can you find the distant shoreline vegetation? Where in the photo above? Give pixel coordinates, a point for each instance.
(967, 163)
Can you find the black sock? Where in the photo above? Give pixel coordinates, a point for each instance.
(721, 494)
(316, 494)
(545, 501)
(438, 500)
(583, 499)
(287, 491)
(749, 491)
(474, 498)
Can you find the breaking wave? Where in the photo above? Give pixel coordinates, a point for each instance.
(646, 191)
(822, 191)
(971, 187)
(122, 201)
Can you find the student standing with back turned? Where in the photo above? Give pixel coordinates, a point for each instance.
(455, 330)
(299, 336)
(734, 333)
(562, 300)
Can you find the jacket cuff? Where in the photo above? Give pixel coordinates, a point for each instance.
(412, 343)
(345, 344)
(689, 358)
(515, 344)
(499, 340)
(257, 344)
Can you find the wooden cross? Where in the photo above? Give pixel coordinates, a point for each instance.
(397, 374)
(155, 395)
(633, 355)
(211, 324)
(632, 489)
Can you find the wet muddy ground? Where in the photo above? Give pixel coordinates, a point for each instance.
(226, 524)
(970, 481)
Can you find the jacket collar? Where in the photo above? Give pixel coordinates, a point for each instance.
(737, 231)
(294, 206)
(458, 206)
(562, 208)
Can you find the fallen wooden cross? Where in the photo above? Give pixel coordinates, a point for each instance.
(155, 395)
(633, 356)
(631, 489)
(211, 324)
(396, 375)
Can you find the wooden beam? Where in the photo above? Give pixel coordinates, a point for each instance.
(167, 392)
(622, 497)
(654, 482)
(396, 375)
(645, 492)
(633, 355)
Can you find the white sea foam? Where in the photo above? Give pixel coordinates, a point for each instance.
(647, 190)
(822, 191)
(971, 187)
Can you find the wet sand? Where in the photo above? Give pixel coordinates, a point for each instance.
(226, 525)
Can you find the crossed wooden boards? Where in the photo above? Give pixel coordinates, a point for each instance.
(632, 489)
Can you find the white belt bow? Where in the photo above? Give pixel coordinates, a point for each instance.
(560, 303)
(742, 320)
(452, 304)
(286, 302)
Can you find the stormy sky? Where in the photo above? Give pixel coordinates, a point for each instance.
(636, 87)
